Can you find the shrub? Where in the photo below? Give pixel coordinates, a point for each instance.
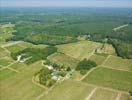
(44, 76)
(130, 92)
(68, 69)
(83, 72)
(85, 65)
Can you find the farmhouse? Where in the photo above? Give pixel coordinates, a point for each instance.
(50, 67)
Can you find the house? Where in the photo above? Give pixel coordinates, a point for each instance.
(19, 57)
(50, 67)
(55, 78)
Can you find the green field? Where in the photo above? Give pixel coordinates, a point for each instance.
(98, 58)
(102, 94)
(69, 90)
(23, 45)
(79, 50)
(76, 75)
(5, 61)
(19, 66)
(120, 80)
(6, 31)
(3, 37)
(119, 63)
(20, 85)
(16, 48)
(41, 47)
(3, 53)
(6, 74)
(62, 59)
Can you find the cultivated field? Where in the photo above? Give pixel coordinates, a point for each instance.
(5, 61)
(120, 80)
(79, 50)
(69, 90)
(16, 78)
(20, 85)
(99, 59)
(62, 59)
(28, 79)
(16, 81)
(102, 94)
(118, 63)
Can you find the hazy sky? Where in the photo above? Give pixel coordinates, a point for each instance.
(66, 3)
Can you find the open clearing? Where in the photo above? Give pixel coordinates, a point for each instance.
(62, 59)
(79, 50)
(119, 63)
(120, 80)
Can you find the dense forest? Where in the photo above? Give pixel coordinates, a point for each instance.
(54, 26)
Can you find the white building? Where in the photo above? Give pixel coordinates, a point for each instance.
(50, 67)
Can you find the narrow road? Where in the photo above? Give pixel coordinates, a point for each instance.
(120, 27)
(91, 94)
(88, 73)
(118, 96)
(115, 68)
(42, 86)
(106, 60)
(10, 44)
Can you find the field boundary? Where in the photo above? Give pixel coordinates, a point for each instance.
(10, 44)
(50, 89)
(115, 68)
(91, 94)
(8, 67)
(106, 59)
(106, 88)
(13, 69)
(42, 86)
(88, 73)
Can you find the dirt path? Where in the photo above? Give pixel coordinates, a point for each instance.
(115, 68)
(6, 50)
(50, 89)
(91, 54)
(12, 69)
(106, 88)
(42, 86)
(106, 60)
(10, 44)
(118, 96)
(91, 94)
(88, 73)
(120, 27)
